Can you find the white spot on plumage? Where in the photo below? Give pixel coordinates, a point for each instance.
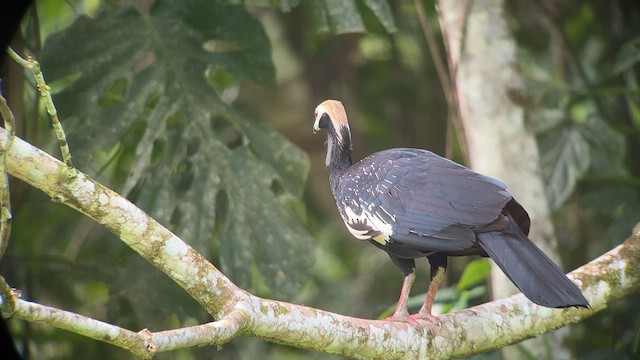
(380, 227)
(388, 213)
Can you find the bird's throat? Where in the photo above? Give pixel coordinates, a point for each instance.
(338, 153)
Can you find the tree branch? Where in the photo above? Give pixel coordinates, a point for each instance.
(474, 330)
(213, 333)
(5, 199)
(86, 326)
(43, 88)
(144, 343)
(134, 227)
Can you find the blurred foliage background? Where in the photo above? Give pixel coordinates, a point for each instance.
(200, 112)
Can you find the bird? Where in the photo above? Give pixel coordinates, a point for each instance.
(413, 203)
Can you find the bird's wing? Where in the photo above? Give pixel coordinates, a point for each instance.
(419, 199)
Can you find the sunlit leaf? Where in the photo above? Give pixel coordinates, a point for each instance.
(474, 273)
(320, 16)
(344, 16)
(335, 16)
(223, 183)
(341, 17)
(283, 5)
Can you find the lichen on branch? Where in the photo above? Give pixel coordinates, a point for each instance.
(481, 328)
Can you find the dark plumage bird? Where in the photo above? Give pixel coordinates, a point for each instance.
(413, 203)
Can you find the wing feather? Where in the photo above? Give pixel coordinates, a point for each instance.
(429, 202)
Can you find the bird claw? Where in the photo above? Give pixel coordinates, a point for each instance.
(414, 319)
(426, 317)
(402, 318)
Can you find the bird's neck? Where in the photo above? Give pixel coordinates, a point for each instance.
(338, 154)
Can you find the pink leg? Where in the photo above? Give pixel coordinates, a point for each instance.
(425, 310)
(401, 313)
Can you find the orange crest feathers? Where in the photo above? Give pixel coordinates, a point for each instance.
(335, 110)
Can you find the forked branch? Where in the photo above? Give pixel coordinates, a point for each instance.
(485, 327)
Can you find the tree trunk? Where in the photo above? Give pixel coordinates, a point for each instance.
(483, 64)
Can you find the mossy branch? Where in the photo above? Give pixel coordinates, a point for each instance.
(143, 343)
(481, 328)
(44, 90)
(5, 199)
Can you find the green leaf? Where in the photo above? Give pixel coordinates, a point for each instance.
(344, 16)
(627, 56)
(335, 16)
(474, 273)
(320, 16)
(156, 84)
(283, 5)
(619, 205)
(565, 158)
(462, 303)
(570, 147)
(546, 119)
(607, 145)
(382, 11)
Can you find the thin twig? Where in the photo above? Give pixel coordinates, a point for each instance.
(86, 326)
(213, 333)
(427, 29)
(44, 89)
(5, 199)
(143, 343)
(447, 81)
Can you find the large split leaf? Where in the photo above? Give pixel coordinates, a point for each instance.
(337, 16)
(284, 5)
(152, 83)
(343, 16)
(573, 146)
(627, 56)
(565, 158)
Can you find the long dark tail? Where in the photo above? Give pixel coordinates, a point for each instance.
(539, 278)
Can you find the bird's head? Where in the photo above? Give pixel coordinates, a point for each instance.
(330, 113)
(331, 116)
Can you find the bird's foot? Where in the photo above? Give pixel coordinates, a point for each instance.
(402, 318)
(414, 319)
(426, 317)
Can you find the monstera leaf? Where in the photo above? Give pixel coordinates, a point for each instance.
(337, 16)
(343, 16)
(573, 147)
(565, 159)
(152, 83)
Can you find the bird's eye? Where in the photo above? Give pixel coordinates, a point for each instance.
(315, 114)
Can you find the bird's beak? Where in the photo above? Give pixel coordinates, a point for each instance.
(316, 126)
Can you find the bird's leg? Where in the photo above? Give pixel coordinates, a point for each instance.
(425, 310)
(438, 268)
(408, 268)
(401, 308)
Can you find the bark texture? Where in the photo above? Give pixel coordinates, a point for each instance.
(482, 59)
(481, 328)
